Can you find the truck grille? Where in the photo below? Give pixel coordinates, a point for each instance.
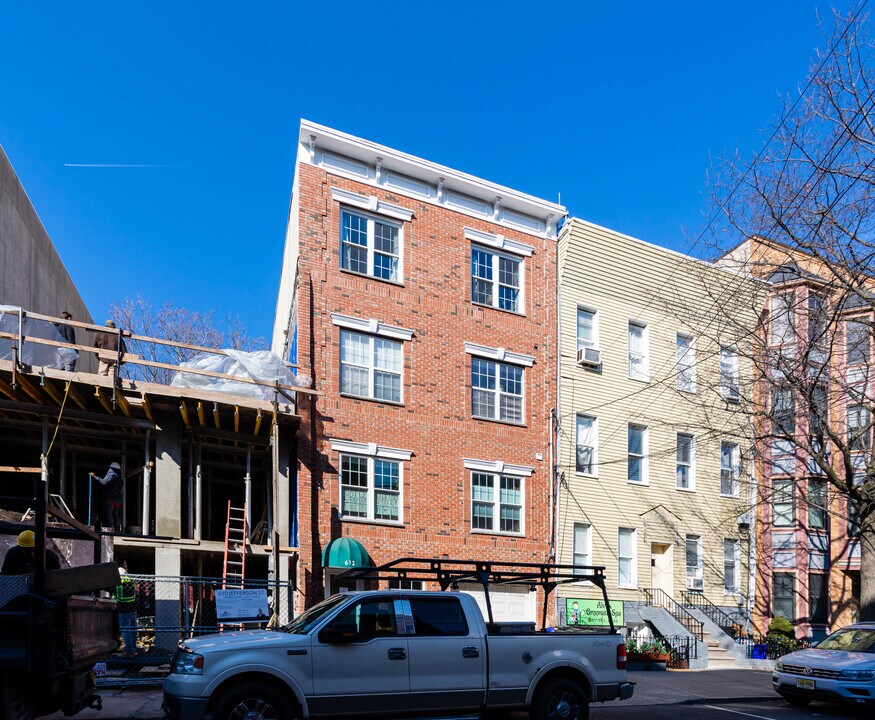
(815, 672)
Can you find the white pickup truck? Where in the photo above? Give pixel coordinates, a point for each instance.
(394, 652)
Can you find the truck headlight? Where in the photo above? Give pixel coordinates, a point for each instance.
(779, 666)
(188, 663)
(858, 674)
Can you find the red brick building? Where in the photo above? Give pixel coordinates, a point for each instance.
(422, 303)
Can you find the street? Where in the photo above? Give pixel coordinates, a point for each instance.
(762, 709)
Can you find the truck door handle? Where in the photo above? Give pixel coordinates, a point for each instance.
(470, 651)
(397, 654)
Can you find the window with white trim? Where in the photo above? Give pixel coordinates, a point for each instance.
(370, 488)
(856, 343)
(370, 367)
(685, 356)
(693, 547)
(639, 367)
(587, 328)
(685, 478)
(859, 428)
(496, 279)
(731, 567)
(369, 246)
(729, 383)
(783, 550)
(784, 595)
(783, 502)
(730, 468)
(582, 550)
(496, 390)
(496, 503)
(637, 453)
(781, 319)
(627, 570)
(587, 445)
(818, 551)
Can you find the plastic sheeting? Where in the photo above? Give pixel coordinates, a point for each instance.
(45, 356)
(260, 365)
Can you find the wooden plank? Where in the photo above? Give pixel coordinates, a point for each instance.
(84, 578)
(200, 413)
(123, 403)
(183, 410)
(103, 401)
(53, 392)
(7, 390)
(71, 521)
(147, 408)
(236, 419)
(31, 390)
(19, 469)
(216, 416)
(257, 423)
(77, 398)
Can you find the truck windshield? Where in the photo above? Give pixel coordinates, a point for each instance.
(302, 624)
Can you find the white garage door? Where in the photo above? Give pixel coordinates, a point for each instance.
(509, 604)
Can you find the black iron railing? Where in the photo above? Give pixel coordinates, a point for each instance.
(655, 597)
(770, 648)
(698, 601)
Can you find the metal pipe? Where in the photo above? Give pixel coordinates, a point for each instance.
(247, 482)
(190, 529)
(42, 499)
(147, 486)
(552, 480)
(198, 499)
(124, 473)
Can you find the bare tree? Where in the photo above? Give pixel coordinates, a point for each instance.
(179, 325)
(801, 215)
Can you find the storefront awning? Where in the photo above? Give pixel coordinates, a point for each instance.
(346, 553)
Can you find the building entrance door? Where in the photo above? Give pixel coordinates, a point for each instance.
(662, 567)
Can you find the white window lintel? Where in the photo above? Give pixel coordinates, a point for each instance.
(370, 203)
(370, 450)
(498, 467)
(499, 242)
(371, 326)
(499, 354)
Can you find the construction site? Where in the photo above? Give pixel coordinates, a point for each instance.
(206, 460)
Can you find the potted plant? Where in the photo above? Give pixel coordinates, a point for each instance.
(647, 654)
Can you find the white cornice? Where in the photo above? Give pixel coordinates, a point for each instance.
(370, 450)
(499, 242)
(369, 202)
(499, 467)
(499, 354)
(371, 326)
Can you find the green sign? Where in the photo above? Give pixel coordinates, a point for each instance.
(592, 612)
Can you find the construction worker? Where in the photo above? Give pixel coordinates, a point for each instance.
(111, 492)
(110, 343)
(21, 558)
(126, 599)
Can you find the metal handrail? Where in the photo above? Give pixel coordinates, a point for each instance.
(659, 598)
(712, 612)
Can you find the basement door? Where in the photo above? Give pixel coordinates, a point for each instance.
(662, 567)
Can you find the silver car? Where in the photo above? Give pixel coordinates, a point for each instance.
(841, 668)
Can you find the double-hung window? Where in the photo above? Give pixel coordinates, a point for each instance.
(685, 357)
(818, 324)
(818, 598)
(730, 469)
(731, 566)
(627, 571)
(638, 363)
(370, 366)
(783, 411)
(729, 382)
(783, 502)
(371, 479)
(587, 445)
(582, 550)
(370, 246)
(856, 343)
(496, 279)
(685, 451)
(587, 328)
(859, 428)
(694, 562)
(497, 383)
(783, 550)
(637, 453)
(784, 595)
(817, 502)
(781, 320)
(497, 492)
(818, 551)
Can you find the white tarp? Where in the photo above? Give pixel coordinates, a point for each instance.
(260, 365)
(46, 356)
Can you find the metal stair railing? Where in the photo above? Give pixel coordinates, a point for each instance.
(656, 597)
(698, 601)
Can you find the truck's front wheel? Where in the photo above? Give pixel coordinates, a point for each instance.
(560, 699)
(253, 701)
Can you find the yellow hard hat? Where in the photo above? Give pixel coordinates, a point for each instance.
(25, 539)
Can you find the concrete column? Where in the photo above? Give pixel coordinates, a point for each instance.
(168, 476)
(283, 518)
(168, 564)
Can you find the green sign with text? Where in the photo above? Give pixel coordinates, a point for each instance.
(592, 612)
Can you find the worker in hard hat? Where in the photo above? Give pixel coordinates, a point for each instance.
(21, 558)
(110, 493)
(126, 598)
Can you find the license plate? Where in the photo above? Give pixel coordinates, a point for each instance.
(805, 683)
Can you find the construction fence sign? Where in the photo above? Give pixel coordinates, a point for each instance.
(242, 605)
(592, 613)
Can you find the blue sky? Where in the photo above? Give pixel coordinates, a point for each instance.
(617, 106)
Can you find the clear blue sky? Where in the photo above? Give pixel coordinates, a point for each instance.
(617, 106)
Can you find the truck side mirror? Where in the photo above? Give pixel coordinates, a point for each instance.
(339, 632)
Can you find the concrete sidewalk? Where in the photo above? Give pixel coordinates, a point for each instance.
(673, 687)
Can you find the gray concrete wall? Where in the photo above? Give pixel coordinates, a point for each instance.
(32, 274)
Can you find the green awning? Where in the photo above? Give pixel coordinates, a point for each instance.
(346, 553)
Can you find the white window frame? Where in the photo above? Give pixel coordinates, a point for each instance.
(691, 485)
(371, 453)
(632, 559)
(784, 550)
(371, 220)
(372, 368)
(732, 473)
(594, 343)
(730, 386)
(495, 263)
(782, 319)
(497, 471)
(499, 357)
(685, 363)
(735, 561)
(594, 462)
(698, 572)
(641, 371)
(853, 351)
(581, 543)
(643, 455)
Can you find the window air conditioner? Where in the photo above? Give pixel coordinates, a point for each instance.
(695, 583)
(589, 357)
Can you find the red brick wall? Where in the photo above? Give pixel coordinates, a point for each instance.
(435, 420)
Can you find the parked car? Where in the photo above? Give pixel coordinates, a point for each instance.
(388, 652)
(840, 669)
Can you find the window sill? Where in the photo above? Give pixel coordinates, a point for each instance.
(731, 400)
(686, 490)
(688, 391)
(501, 422)
(642, 483)
(644, 380)
(390, 403)
(518, 313)
(497, 532)
(627, 587)
(369, 521)
(586, 475)
(729, 497)
(397, 283)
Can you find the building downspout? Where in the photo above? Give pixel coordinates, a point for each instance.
(752, 535)
(554, 424)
